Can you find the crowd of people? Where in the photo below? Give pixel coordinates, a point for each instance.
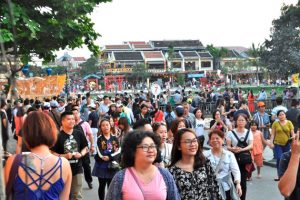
(142, 151)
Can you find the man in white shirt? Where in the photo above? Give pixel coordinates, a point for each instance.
(277, 108)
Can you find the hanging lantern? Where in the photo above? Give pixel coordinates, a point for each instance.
(26, 66)
(25, 71)
(49, 71)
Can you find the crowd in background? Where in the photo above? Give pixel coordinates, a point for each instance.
(145, 146)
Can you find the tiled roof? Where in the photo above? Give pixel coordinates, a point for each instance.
(205, 55)
(117, 47)
(177, 43)
(129, 55)
(177, 55)
(141, 46)
(136, 42)
(233, 54)
(79, 59)
(189, 54)
(153, 54)
(239, 49)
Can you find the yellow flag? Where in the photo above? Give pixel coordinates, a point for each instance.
(295, 80)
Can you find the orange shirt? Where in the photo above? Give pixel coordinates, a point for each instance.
(18, 123)
(257, 143)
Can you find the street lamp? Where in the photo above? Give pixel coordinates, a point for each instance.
(66, 60)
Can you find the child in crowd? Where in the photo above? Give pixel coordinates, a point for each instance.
(257, 151)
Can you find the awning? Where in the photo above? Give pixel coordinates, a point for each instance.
(196, 75)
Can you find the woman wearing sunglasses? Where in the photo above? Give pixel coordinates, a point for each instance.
(141, 179)
(192, 172)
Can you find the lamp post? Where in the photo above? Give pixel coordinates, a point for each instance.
(66, 60)
(2, 188)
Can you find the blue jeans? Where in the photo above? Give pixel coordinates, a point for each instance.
(279, 150)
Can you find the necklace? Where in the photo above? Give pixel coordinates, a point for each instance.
(41, 159)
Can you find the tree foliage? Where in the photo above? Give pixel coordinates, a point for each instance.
(217, 54)
(139, 72)
(282, 53)
(42, 27)
(39, 28)
(171, 55)
(91, 66)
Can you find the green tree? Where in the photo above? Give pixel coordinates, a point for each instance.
(91, 66)
(282, 53)
(181, 79)
(140, 72)
(171, 56)
(218, 54)
(255, 52)
(39, 28)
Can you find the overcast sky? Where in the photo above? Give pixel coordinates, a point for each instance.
(217, 22)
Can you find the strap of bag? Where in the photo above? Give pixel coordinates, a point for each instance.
(12, 174)
(247, 134)
(135, 178)
(219, 163)
(235, 135)
(283, 129)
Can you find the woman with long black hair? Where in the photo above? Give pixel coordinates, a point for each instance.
(192, 172)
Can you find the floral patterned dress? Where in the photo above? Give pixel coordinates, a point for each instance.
(200, 184)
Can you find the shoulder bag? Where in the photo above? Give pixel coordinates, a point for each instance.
(135, 178)
(243, 157)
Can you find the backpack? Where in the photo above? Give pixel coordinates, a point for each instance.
(79, 127)
(243, 157)
(169, 118)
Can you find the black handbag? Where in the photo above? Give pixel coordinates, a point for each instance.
(114, 166)
(243, 157)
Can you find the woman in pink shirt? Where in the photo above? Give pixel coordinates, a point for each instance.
(141, 179)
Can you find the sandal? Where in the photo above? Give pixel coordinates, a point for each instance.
(259, 176)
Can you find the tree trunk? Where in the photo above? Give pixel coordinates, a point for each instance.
(257, 75)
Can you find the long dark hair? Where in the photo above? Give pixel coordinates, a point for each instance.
(176, 153)
(124, 121)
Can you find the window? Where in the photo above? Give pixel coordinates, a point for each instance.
(205, 64)
(176, 65)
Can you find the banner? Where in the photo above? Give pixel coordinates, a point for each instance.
(295, 80)
(40, 86)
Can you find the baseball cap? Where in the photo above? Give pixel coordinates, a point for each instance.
(179, 110)
(54, 104)
(46, 104)
(93, 106)
(119, 105)
(260, 104)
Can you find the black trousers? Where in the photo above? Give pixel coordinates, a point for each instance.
(86, 164)
(244, 175)
(102, 183)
